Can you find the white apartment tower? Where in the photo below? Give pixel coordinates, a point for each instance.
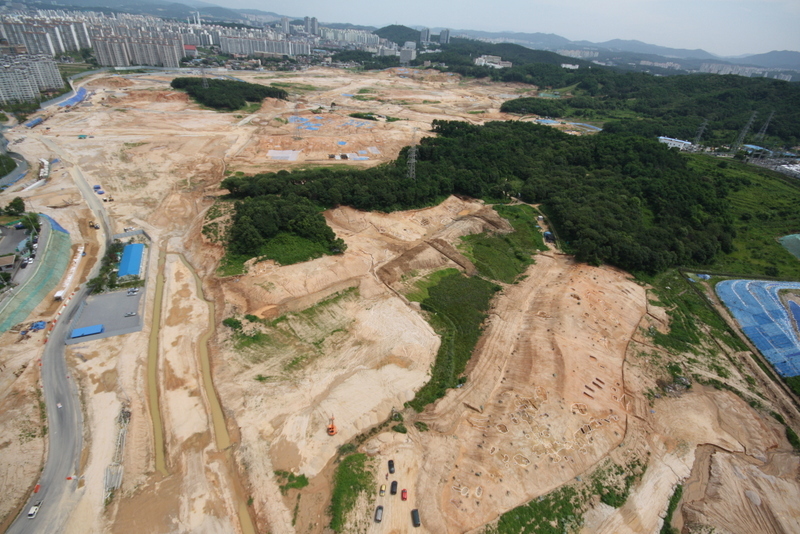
(23, 77)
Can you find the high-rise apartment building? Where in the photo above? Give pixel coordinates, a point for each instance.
(425, 35)
(24, 77)
(444, 36)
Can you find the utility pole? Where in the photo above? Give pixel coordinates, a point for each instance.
(412, 157)
(739, 140)
(203, 74)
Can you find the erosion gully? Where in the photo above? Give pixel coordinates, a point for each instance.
(223, 440)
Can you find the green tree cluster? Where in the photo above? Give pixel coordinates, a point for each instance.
(623, 200)
(266, 225)
(226, 94)
(15, 207)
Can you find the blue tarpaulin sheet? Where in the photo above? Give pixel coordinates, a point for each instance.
(764, 319)
(87, 331)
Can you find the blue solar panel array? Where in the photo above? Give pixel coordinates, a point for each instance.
(765, 320)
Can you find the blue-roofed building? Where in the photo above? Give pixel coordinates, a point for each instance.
(131, 262)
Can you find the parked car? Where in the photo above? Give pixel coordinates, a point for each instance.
(404, 495)
(383, 490)
(415, 518)
(391, 467)
(393, 489)
(130, 314)
(379, 514)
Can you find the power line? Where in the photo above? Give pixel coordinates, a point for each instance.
(739, 140)
(760, 135)
(700, 132)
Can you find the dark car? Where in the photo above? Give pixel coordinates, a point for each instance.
(393, 489)
(415, 518)
(391, 466)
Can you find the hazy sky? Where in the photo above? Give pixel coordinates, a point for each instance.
(723, 27)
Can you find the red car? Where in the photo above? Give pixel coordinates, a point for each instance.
(404, 495)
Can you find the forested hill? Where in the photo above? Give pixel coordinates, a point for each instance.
(461, 53)
(398, 34)
(675, 106)
(627, 201)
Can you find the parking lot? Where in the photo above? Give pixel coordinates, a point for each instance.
(110, 310)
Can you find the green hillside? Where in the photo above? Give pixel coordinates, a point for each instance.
(398, 34)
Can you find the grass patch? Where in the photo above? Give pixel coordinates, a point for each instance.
(420, 291)
(457, 306)
(613, 482)
(673, 505)
(763, 207)
(687, 311)
(290, 481)
(554, 513)
(232, 265)
(287, 249)
(421, 426)
(352, 477)
(290, 86)
(503, 257)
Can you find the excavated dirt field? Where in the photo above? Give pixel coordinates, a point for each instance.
(554, 387)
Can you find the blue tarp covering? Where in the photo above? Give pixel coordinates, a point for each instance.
(80, 94)
(34, 122)
(87, 331)
(53, 224)
(765, 320)
(131, 262)
(38, 325)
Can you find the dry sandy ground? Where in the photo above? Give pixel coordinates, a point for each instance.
(551, 389)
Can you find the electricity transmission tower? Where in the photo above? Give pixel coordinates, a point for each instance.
(739, 140)
(760, 135)
(700, 132)
(203, 74)
(412, 157)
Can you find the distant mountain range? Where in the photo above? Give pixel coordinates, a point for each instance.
(542, 41)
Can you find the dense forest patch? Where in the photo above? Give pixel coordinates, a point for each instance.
(623, 200)
(674, 106)
(226, 94)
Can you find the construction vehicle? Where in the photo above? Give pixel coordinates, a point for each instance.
(332, 428)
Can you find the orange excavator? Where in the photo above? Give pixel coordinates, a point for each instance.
(332, 428)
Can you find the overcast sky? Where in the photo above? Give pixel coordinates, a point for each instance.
(723, 27)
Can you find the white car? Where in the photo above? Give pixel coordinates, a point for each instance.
(58, 405)
(34, 510)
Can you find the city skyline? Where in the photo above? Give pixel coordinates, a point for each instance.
(726, 29)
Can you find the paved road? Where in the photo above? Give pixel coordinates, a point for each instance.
(65, 424)
(65, 428)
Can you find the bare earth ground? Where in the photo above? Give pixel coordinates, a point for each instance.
(554, 388)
